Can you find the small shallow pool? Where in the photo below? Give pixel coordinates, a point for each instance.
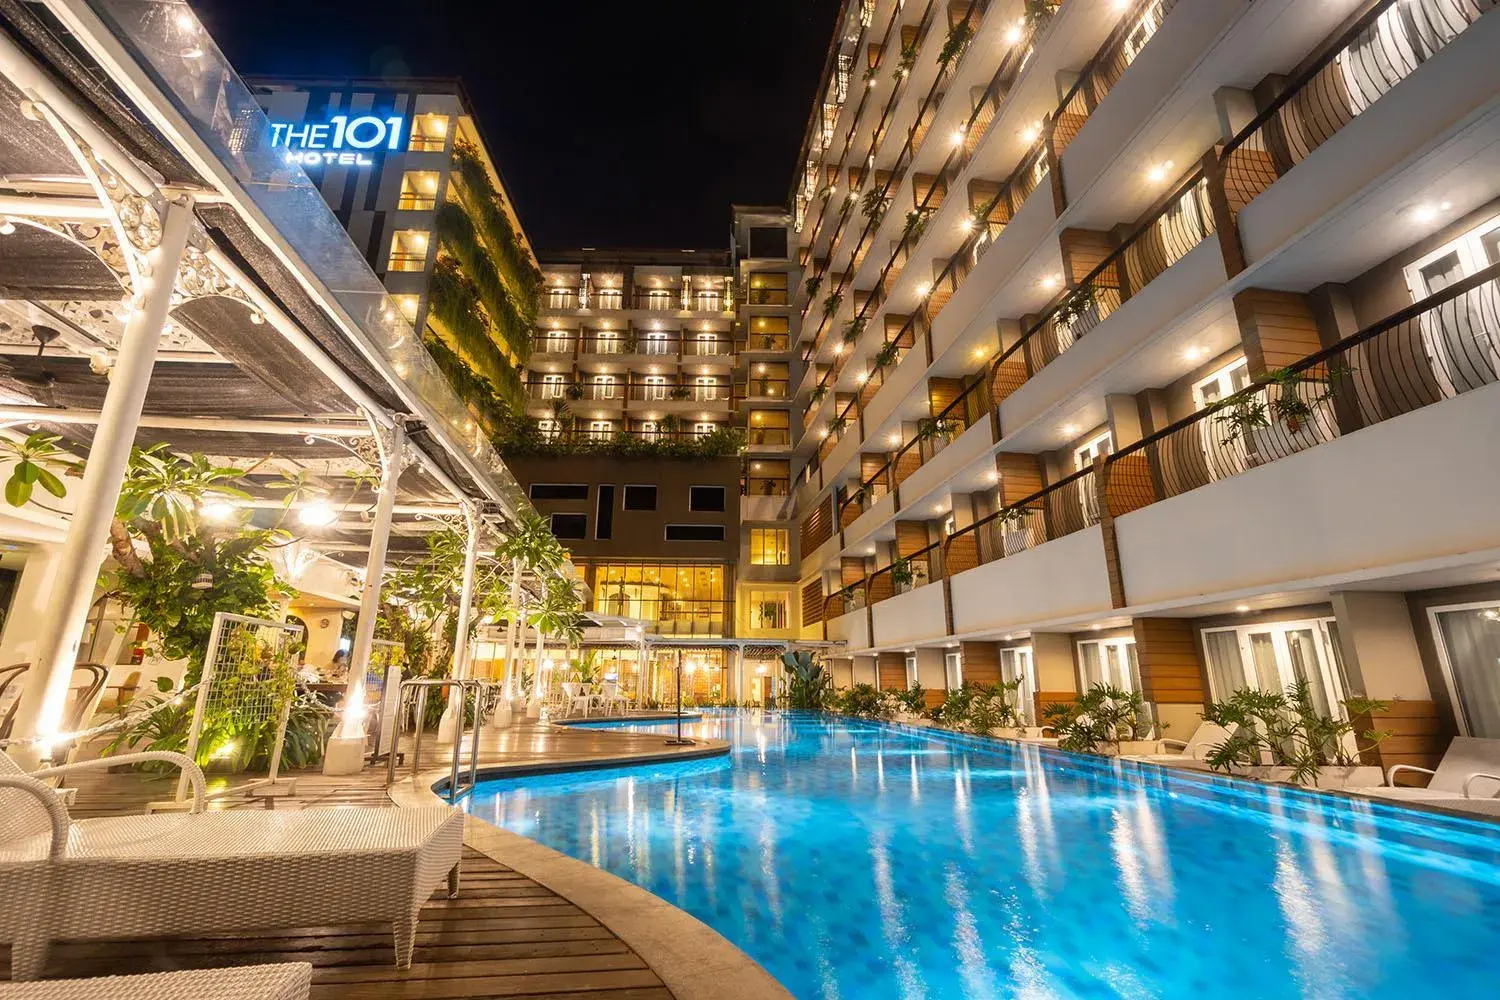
(863, 861)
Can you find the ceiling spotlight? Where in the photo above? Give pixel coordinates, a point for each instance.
(1096, 626)
(1031, 133)
(1194, 352)
(256, 318)
(895, 438)
(1427, 212)
(1160, 171)
(958, 137)
(318, 514)
(924, 289)
(7, 227)
(1070, 429)
(966, 224)
(1050, 281)
(1015, 32)
(1242, 608)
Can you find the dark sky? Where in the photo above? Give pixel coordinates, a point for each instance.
(614, 124)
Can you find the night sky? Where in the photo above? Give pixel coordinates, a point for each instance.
(614, 124)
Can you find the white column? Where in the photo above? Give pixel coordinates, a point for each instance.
(40, 710)
(346, 748)
(452, 719)
(739, 672)
(534, 703)
(502, 716)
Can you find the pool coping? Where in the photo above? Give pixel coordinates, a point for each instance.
(695, 961)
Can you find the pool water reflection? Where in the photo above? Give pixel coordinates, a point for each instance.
(867, 861)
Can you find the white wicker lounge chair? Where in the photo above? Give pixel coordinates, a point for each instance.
(1469, 771)
(1195, 749)
(289, 981)
(215, 872)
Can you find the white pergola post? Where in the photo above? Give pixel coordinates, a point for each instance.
(502, 717)
(39, 713)
(739, 672)
(346, 748)
(534, 702)
(452, 720)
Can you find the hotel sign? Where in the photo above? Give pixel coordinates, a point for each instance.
(341, 141)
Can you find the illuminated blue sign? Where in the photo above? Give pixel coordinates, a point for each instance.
(341, 141)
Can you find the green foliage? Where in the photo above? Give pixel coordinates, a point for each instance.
(958, 37)
(812, 284)
(492, 406)
(809, 687)
(979, 708)
(522, 438)
(912, 700)
(853, 329)
(901, 572)
(482, 200)
(888, 355)
(161, 489)
(1102, 717)
(874, 205)
(454, 302)
(1077, 303)
(836, 425)
(907, 62)
(864, 701)
(39, 461)
(820, 393)
(458, 237)
(916, 221)
(1039, 12)
(933, 427)
(832, 302)
(1287, 729)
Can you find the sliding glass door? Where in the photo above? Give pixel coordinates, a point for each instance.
(1015, 665)
(1468, 642)
(1274, 657)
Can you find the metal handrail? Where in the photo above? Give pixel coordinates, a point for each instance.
(423, 685)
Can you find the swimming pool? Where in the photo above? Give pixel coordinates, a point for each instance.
(863, 861)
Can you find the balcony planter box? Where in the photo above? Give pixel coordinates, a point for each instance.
(1334, 776)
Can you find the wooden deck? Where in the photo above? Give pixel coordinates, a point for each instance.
(504, 936)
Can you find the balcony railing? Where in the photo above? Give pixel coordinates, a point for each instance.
(770, 437)
(761, 387)
(1125, 42)
(649, 344)
(1441, 347)
(1183, 221)
(767, 297)
(990, 221)
(1436, 349)
(1379, 50)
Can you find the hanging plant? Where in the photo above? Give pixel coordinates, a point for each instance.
(888, 355)
(1038, 13)
(853, 329)
(907, 62)
(819, 393)
(934, 427)
(1074, 306)
(874, 205)
(812, 284)
(958, 36)
(916, 221)
(836, 425)
(832, 302)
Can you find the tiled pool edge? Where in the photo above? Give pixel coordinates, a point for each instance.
(694, 960)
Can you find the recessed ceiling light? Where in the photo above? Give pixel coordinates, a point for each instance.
(1031, 133)
(1050, 281)
(1160, 171)
(1242, 608)
(1194, 352)
(1014, 32)
(1070, 429)
(958, 137)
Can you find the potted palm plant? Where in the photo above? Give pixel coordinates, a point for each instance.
(902, 575)
(887, 356)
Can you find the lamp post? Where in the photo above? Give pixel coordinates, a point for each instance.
(679, 740)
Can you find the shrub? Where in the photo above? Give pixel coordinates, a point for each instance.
(864, 701)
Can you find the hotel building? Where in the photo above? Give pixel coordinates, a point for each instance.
(1153, 343)
(405, 168)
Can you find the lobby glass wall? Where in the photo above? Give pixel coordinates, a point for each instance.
(677, 599)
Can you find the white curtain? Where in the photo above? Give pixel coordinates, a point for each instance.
(1471, 639)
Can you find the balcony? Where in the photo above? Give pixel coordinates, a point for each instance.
(1355, 113)
(761, 387)
(1217, 502)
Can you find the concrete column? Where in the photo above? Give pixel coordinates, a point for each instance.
(345, 753)
(39, 713)
(1056, 676)
(29, 606)
(739, 672)
(452, 720)
(534, 701)
(1236, 109)
(1379, 645)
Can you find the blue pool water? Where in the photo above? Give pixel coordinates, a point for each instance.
(862, 861)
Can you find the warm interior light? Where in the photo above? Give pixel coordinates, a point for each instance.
(1426, 212)
(965, 224)
(317, 514)
(1014, 33)
(924, 288)
(1160, 171)
(958, 137)
(1242, 608)
(217, 511)
(1194, 352)
(895, 438)
(7, 227)
(1051, 281)
(1070, 429)
(1031, 133)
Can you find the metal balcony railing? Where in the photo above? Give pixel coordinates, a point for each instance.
(1378, 51)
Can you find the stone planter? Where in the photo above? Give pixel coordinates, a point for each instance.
(1133, 748)
(1334, 776)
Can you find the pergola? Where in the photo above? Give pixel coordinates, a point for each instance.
(165, 276)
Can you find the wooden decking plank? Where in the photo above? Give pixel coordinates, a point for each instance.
(503, 986)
